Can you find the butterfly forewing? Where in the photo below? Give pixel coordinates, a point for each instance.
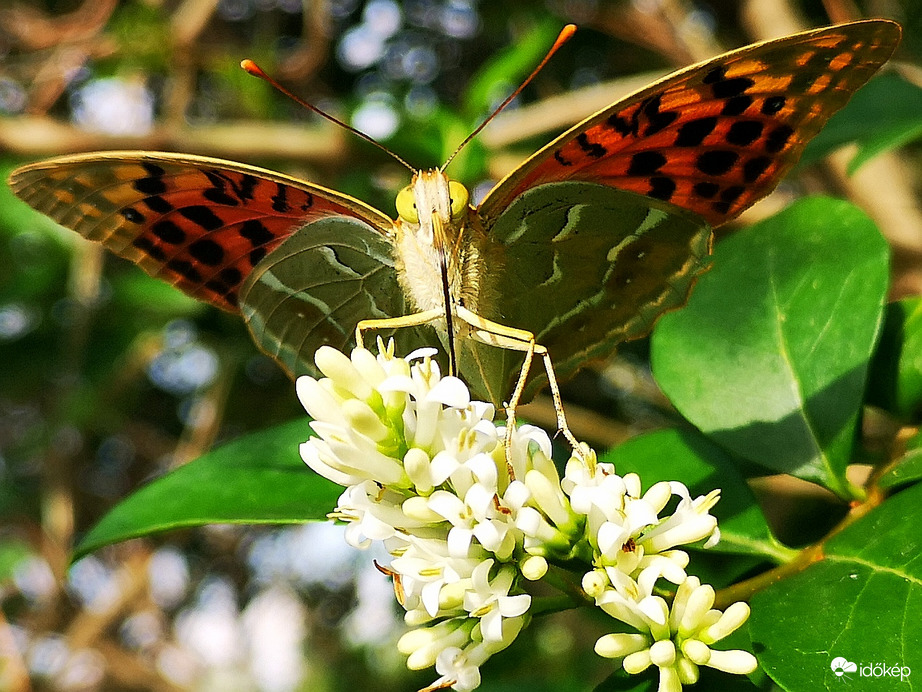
(199, 223)
(718, 136)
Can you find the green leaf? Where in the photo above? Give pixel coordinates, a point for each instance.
(909, 466)
(13, 551)
(136, 290)
(769, 357)
(895, 380)
(885, 114)
(861, 602)
(669, 455)
(259, 479)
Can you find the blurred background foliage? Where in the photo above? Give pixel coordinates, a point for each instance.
(109, 378)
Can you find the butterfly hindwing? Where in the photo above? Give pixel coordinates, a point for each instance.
(315, 287)
(201, 224)
(600, 266)
(718, 136)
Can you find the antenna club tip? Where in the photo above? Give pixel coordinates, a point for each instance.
(251, 67)
(565, 35)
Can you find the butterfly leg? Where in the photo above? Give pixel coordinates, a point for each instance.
(414, 320)
(502, 336)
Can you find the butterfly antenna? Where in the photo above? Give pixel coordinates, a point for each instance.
(257, 71)
(565, 34)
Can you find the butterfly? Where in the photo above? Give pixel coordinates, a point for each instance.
(582, 247)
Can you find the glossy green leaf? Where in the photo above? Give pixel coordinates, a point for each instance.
(769, 357)
(137, 291)
(860, 602)
(895, 380)
(885, 114)
(259, 479)
(668, 455)
(908, 468)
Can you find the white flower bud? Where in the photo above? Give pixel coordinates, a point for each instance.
(533, 567)
(699, 603)
(594, 583)
(662, 653)
(417, 508)
(735, 661)
(658, 496)
(339, 368)
(637, 662)
(731, 620)
(618, 645)
(669, 680)
(697, 651)
(548, 497)
(363, 420)
(688, 671)
(655, 609)
(632, 484)
(319, 403)
(416, 465)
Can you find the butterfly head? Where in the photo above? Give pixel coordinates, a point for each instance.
(431, 205)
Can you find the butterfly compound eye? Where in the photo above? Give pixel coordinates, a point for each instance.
(406, 205)
(459, 197)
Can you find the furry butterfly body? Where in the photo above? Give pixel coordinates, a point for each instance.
(584, 245)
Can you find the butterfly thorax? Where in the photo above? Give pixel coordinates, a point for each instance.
(438, 232)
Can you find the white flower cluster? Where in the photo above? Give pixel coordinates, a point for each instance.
(469, 522)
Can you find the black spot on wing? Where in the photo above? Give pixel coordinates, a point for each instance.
(185, 269)
(736, 105)
(158, 205)
(145, 244)
(730, 88)
(254, 231)
(256, 255)
(716, 161)
(646, 163)
(248, 184)
(755, 167)
(662, 187)
(207, 251)
(168, 232)
(658, 120)
(219, 196)
(133, 215)
(707, 190)
(592, 149)
(202, 216)
(773, 104)
(778, 138)
(280, 199)
(693, 133)
(231, 276)
(620, 125)
(742, 133)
